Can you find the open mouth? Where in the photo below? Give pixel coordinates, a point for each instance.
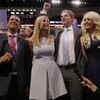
(46, 25)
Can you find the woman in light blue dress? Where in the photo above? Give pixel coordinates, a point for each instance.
(46, 79)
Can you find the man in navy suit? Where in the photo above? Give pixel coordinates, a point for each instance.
(15, 62)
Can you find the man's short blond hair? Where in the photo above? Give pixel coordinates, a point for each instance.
(71, 13)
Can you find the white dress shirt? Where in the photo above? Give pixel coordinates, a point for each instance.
(71, 44)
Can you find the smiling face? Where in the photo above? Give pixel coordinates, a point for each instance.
(45, 23)
(14, 23)
(67, 18)
(45, 27)
(88, 23)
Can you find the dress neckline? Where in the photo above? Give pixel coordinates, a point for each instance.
(43, 40)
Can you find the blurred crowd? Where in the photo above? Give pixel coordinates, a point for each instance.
(39, 63)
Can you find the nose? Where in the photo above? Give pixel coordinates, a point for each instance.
(62, 17)
(46, 22)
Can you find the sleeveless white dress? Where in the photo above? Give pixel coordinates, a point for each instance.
(46, 78)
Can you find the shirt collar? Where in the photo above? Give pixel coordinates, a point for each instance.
(68, 28)
(15, 34)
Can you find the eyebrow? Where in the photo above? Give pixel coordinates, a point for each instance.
(15, 19)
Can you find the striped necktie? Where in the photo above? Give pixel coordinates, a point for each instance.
(12, 43)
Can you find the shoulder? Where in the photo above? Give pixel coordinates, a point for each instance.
(22, 40)
(78, 30)
(52, 37)
(57, 30)
(3, 37)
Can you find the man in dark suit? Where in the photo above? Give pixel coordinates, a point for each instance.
(68, 56)
(15, 62)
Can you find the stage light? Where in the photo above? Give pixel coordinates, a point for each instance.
(17, 13)
(34, 10)
(12, 13)
(8, 9)
(76, 2)
(30, 9)
(31, 13)
(13, 9)
(18, 9)
(23, 9)
(56, 1)
(27, 9)
(22, 13)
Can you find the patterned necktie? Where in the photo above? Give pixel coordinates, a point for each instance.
(12, 43)
(65, 47)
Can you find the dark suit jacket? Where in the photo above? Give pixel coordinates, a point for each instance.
(78, 54)
(98, 90)
(5, 68)
(23, 61)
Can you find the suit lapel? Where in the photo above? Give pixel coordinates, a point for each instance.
(9, 48)
(19, 46)
(57, 40)
(7, 45)
(75, 35)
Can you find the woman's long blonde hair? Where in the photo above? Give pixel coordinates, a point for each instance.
(37, 27)
(96, 21)
(85, 39)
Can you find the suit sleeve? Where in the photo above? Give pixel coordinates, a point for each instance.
(98, 90)
(5, 68)
(29, 56)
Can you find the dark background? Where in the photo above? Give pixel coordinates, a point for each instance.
(37, 3)
(54, 13)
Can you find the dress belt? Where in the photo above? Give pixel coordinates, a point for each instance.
(67, 66)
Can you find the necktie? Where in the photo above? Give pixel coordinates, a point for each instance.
(65, 47)
(12, 43)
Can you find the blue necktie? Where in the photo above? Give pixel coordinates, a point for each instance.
(65, 47)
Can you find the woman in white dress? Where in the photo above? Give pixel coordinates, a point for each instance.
(46, 79)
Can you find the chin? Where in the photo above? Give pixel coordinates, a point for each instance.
(46, 28)
(87, 27)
